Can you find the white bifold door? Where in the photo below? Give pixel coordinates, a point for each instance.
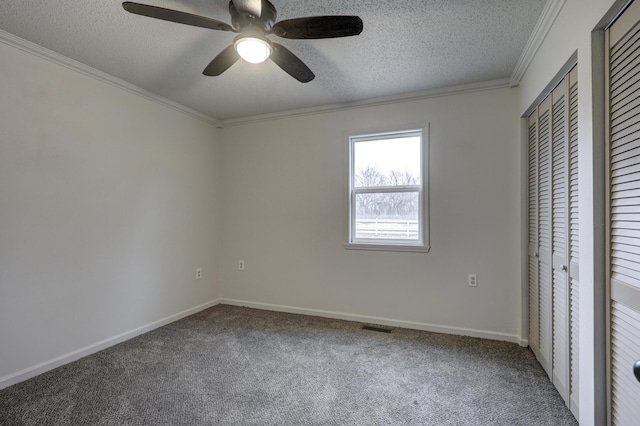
(623, 242)
(553, 236)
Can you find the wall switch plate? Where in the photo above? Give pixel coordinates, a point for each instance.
(240, 265)
(198, 273)
(472, 280)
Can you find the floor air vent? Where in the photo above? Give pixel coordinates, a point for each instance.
(378, 329)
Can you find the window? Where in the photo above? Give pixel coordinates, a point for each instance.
(388, 197)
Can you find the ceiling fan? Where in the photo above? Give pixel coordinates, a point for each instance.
(254, 20)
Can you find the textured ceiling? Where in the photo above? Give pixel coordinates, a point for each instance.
(406, 46)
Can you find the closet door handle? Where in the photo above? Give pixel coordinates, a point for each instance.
(564, 267)
(636, 370)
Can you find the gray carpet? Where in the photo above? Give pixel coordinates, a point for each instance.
(238, 366)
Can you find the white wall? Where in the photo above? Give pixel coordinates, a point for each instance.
(570, 32)
(108, 203)
(285, 215)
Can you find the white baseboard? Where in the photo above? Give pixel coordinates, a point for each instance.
(43, 367)
(378, 320)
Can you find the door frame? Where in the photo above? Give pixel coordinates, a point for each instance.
(524, 200)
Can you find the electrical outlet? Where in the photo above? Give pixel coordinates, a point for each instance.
(472, 280)
(240, 265)
(198, 273)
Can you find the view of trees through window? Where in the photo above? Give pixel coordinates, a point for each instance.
(386, 205)
(387, 179)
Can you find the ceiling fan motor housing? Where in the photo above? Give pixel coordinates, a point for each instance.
(241, 20)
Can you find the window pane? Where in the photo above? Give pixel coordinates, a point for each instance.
(387, 215)
(387, 162)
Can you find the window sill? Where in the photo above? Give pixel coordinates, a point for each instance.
(388, 247)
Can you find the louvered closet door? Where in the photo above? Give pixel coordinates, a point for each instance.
(545, 294)
(553, 231)
(574, 252)
(624, 215)
(534, 319)
(559, 237)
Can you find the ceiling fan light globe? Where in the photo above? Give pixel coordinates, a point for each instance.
(253, 50)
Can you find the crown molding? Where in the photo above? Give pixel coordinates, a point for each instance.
(58, 59)
(547, 18)
(387, 100)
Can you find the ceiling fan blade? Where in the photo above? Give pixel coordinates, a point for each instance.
(222, 62)
(252, 7)
(176, 16)
(291, 64)
(318, 27)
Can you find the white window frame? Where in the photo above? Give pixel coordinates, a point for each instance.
(422, 244)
